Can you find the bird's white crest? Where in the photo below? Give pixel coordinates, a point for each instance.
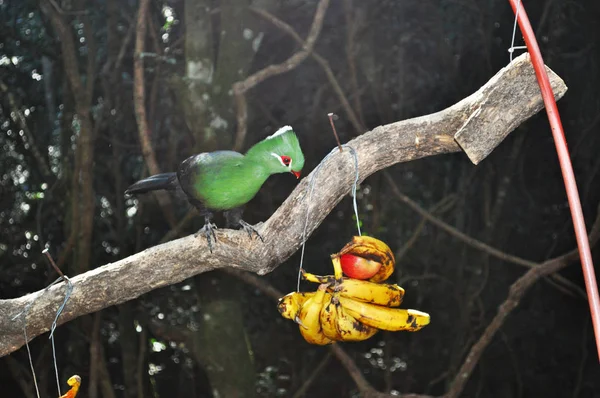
(282, 130)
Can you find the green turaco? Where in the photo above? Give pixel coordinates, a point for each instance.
(227, 180)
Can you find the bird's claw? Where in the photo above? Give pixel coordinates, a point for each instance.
(208, 230)
(250, 230)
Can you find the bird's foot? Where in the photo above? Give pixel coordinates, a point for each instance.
(250, 230)
(208, 230)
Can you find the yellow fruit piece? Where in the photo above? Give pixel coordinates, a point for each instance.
(338, 325)
(392, 319)
(369, 292)
(349, 328)
(371, 249)
(337, 266)
(74, 382)
(317, 278)
(309, 318)
(328, 318)
(290, 305)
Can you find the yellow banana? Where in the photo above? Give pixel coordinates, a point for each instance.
(337, 266)
(318, 278)
(369, 292)
(338, 325)
(371, 249)
(309, 318)
(385, 318)
(290, 305)
(328, 318)
(349, 328)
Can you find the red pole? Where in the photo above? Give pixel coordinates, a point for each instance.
(565, 166)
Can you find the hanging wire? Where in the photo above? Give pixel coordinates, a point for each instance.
(354, 186)
(512, 48)
(60, 310)
(24, 312)
(54, 324)
(53, 328)
(311, 186)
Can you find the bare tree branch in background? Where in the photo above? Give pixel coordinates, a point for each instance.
(83, 194)
(469, 240)
(139, 101)
(43, 167)
(313, 376)
(337, 88)
(240, 88)
(353, 23)
(516, 293)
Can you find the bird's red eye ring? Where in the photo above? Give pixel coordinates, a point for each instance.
(286, 160)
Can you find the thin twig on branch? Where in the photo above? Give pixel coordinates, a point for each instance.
(180, 259)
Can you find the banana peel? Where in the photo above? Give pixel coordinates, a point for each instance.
(309, 321)
(385, 318)
(373, 250)
(375, 293)
(351, 329)
(289, 306)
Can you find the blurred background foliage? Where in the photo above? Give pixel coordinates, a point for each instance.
(69, 134)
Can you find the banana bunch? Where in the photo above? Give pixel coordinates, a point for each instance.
(352, 308)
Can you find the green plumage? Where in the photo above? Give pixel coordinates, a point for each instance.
(222, 180)
(227, 180)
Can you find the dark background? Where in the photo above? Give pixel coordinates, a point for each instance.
(393, 60)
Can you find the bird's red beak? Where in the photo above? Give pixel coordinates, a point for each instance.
(296, 173)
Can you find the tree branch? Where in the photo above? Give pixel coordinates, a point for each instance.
(180, 259)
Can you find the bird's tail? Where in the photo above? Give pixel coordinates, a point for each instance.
(166, 181)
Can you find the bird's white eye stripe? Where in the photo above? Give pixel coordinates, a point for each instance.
(289, 166)
(278, 158)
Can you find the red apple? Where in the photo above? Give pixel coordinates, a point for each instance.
(358, 267)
